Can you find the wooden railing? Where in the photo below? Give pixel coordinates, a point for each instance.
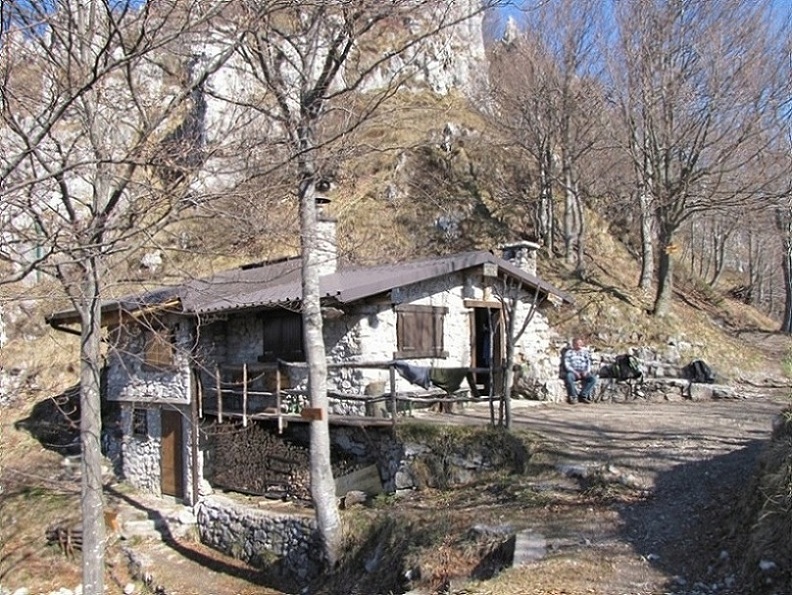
(238, 398)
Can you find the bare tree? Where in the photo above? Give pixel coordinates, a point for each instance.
(695, 91)
(549, 104)
(316, 82)
(100, 105)
(519, 309)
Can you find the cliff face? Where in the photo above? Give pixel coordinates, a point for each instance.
(452, 60)
(437, 49)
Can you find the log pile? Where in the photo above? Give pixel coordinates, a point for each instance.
(255, 461)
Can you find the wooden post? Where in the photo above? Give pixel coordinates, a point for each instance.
(278, 396)
(244, 394)
(392, 372)
(219, 395)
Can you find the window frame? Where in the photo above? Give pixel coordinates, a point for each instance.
(140, 423)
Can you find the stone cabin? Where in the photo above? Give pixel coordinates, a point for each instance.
(230, 347)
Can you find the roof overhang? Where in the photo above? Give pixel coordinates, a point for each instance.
(112, 313)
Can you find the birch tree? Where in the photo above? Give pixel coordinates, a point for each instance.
(99, 102)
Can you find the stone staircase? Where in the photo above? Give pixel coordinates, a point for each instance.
(152, 519)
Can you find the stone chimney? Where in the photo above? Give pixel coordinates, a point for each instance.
(326, 245)
(522, 255)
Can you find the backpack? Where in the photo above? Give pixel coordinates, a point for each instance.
(627, 367)
(562, 371)
(698, 371)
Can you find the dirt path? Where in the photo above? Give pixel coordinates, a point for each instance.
(687, 462)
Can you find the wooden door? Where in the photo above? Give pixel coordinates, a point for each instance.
(171, 448)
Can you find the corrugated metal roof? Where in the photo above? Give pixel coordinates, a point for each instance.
(279, 283)
(251, 286)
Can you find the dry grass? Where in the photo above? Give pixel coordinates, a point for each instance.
(768, 515)
(33, 498)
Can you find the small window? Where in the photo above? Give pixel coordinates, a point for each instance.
(140, 423)
(159, 349)
(419, 331)
(283, 337)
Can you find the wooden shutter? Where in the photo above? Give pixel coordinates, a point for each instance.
(419, 331)
(159, 349)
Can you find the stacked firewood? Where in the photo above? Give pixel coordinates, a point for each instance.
(254, 460)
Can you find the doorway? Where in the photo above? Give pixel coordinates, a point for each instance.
(487, 347)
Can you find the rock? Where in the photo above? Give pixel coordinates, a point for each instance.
(529, 547)
(574, 471)
(703, 392)
(129, 589)
(151, 261)
(493, 530)
(354, 497)
(767, 565)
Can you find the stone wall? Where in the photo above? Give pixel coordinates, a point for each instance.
(130, 379)
(369, 335)
(260, 537)
(536, 376)
(140, 454)
(420, 457)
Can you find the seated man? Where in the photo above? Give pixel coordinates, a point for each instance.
(577, 366)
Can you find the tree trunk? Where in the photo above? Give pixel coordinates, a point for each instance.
(508, 373)
(92, 500)
(644, 175)
(786, 267)
(665, 277)
(546, 211)
(570, 227)
(322, 482)
(784, 225)
(647, 239)
(580, 248)
(719, 256)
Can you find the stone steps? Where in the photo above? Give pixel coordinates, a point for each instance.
(157, 525)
